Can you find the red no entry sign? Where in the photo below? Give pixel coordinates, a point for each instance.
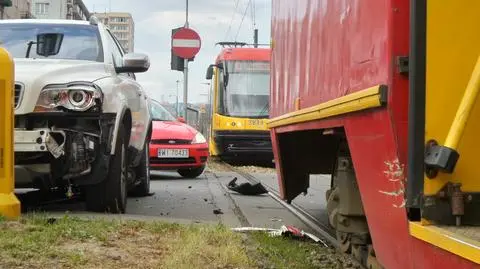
(186, 43)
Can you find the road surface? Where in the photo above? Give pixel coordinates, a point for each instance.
(202, 200)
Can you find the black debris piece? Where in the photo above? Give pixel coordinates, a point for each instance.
(217, 211)
(247, 188)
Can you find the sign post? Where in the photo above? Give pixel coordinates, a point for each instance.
(186, 44)
(9, 204)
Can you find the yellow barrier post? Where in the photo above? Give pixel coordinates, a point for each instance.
(9, 204)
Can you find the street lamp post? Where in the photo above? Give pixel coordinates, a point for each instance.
(208, 94)
(185, 72)
(176, 107)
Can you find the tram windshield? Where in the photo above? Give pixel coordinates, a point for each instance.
(247, 89)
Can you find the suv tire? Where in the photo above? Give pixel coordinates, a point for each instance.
(143, 173)
(111, 194)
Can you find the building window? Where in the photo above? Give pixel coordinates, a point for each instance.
(119, 19)
(120, 35)
(41, 8)
(118, 27)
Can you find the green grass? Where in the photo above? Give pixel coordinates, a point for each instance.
(36, 241)
(281, 252)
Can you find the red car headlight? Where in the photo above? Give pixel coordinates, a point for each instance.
(199, 139)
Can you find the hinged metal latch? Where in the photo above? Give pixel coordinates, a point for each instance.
(439, 158)
(402, 65)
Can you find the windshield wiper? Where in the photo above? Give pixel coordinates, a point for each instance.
(30, 43)
(265, 108)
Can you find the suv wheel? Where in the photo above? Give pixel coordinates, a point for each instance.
(143, 173)
(111, 194)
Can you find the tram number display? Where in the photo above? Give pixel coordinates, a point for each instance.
(250, 66)
(255, 122)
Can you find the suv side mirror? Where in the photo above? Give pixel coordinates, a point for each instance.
(49, 44)
(181, 119)
(134, 63)
(209, 75)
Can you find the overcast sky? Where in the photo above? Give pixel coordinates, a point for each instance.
(214, 20)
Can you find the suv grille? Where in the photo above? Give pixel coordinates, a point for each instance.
(18, 95)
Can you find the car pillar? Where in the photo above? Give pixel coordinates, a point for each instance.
(9, 204)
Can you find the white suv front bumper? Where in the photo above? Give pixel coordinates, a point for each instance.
(38, 140)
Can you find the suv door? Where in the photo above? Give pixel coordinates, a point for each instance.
(136, 97)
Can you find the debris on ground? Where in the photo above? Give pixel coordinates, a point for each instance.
(285, 230)
(218, 166)
(246, 188)
(256, 169)
(217, 211)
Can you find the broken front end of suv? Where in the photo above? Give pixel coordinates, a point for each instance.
(65, 142)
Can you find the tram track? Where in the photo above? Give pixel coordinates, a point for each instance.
(321, 229)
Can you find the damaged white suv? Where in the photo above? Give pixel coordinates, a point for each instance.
(81, 119)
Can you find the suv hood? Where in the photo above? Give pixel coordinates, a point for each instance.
(34, 74)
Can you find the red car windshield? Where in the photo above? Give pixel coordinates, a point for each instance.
(159, 113)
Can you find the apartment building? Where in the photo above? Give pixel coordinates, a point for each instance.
(16, 9)
(60, 9)
(122, 26)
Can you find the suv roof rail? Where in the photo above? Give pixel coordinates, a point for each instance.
(93, 20)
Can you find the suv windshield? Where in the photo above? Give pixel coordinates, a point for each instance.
(80, 42)
(159, 113)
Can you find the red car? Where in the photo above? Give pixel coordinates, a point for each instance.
(174, 145)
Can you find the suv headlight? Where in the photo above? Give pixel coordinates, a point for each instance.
(199, 139)
(71, 97)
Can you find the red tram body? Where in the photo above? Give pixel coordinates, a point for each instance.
(341, 73)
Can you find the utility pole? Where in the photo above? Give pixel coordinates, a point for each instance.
(255, 31)
(185, 73)
(177, 109)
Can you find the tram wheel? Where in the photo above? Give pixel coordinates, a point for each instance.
(344, 239)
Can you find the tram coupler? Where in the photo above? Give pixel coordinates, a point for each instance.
(452, 206)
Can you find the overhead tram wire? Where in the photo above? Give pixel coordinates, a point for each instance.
(231, 21)
(243, 18)
(254, 22)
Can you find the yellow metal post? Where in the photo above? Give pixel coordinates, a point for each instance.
(465, 109)
(9, 204)
(451, 107)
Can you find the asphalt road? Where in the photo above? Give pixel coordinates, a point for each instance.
(202, 200)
